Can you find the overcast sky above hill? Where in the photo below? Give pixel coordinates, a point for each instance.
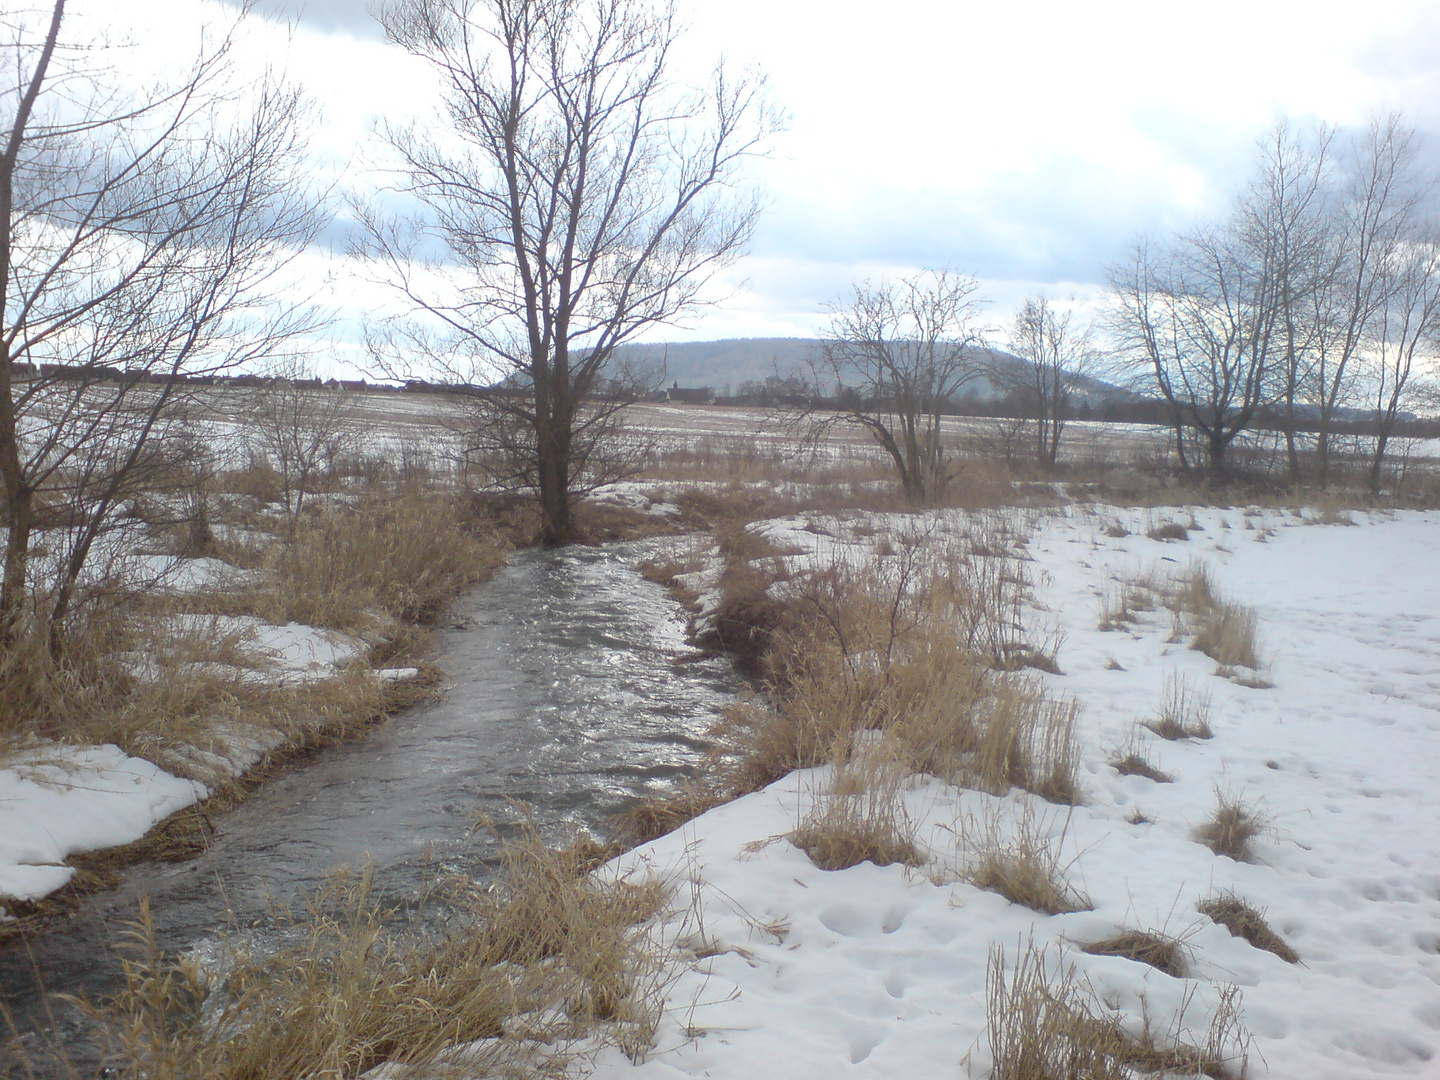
(1026, 143)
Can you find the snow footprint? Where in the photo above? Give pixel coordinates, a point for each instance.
(850, 920)
(867, 1038)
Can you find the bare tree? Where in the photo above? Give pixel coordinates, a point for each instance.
(301, 427)
(1289, 213)
(1402, 339)
(1057, 354)
(1201, 317)
(140, 241)
(574, 198)
(896, 355)
(1374, 227)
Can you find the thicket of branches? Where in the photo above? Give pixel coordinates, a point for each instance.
(1317, 297)
(141, 238)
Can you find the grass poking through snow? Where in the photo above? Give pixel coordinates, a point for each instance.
(1243, 920)
(1232, 828)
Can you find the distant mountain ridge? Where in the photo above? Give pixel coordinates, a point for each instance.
(724, 365)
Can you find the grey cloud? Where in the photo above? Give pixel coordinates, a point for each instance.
(350, 17)
(1065, 221)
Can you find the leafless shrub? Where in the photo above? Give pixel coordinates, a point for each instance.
(1046, 1024)
(1232, 828)
(1184, 711)
(1245, 921)
(550, 954)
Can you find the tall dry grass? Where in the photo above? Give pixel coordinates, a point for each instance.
(899, 647)
(402, 556)
(1045, 1023)
(547, 956)
(155, 671)
(860, 816)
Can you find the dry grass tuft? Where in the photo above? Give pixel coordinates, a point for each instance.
(1022, 864)
(550, 954)
(1045, 1024)
(861, 818)
(1125, 598)
(1232, 828)
(1245, 921)
(654, 818)
(1228, 636)
(1223, 630)
(1169, 530)
(1134, 763)
(1160, 951)
(1184, 711)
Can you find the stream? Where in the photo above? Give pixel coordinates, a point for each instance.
(570, 689)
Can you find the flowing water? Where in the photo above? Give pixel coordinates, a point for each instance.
(570, 690)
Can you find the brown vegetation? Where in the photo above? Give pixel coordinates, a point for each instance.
(1184, 712)
(1232, 828)
(1160, 951)
(1045, 1024)
(550, 954)
(1245, 921)
(1022, 864)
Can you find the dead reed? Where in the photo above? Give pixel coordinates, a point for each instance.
(1245, 921)
(1045, 1023)
(550, 954)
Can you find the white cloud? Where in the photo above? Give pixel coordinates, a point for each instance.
(1027, 143)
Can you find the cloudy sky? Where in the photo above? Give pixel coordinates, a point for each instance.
(1027, 143)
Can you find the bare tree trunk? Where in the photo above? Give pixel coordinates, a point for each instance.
(19, 495)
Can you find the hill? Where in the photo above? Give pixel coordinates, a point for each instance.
(724, 365)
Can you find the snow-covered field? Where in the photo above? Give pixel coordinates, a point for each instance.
(791, 971)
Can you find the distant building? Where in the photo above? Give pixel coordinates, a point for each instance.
(682, 395)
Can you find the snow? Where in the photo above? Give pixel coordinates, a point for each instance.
(880, 972)
(267, 652)
(56, 801)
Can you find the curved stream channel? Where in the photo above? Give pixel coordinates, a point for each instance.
(569, 687)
